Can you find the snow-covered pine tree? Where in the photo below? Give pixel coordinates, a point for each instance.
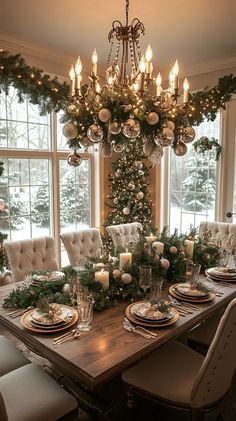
(129, 197)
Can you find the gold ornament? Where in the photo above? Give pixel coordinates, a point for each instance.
(173, 250)
(165, 264)
(70, 131)
(114, 127)
(131, 128)
(116, 274)
(74, 159)
(180, 149)
(152, 118)
(170, 125)
(104, 115)
(189, 134)
(95, 133)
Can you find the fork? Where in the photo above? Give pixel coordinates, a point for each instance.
(18, 312)
(184, 308)
(140, 327)
(74, 335)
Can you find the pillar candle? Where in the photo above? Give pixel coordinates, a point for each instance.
(189, 247)
(158, 246)
(151, 238)
(103, 278)
(125, 259)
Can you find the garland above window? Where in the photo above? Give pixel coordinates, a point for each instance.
(50, 95)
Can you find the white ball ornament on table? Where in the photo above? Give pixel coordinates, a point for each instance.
(126, 211)
(104, 115)
(70, 131)
(180, 149)
(95, 133)
(131, 128)
(173, 250)
(116, 274)
(152, 118)
(126, 278)
(165, 264)
(74, 159)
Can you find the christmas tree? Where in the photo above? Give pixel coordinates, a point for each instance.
(40, 214)
(129, 198)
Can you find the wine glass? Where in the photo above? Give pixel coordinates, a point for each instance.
(145, 277)
(156, 289)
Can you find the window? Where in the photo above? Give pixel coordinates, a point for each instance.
(192, 183)
(40, 194)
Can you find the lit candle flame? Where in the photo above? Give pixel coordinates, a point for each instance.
(78, 66)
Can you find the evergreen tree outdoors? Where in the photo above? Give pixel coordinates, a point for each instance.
(198, 187)
(40, 207)
(129, 197)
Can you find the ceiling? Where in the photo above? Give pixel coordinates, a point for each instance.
(195, 31)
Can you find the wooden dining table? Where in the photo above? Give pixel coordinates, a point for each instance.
(107, 350)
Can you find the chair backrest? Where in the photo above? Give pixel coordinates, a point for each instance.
(120, 233)
(30, 255)
(215, 375)
(221, 231)
(81, 244)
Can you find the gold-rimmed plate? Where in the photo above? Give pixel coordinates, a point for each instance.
(151, 323)
(25, 322)
(172, 290)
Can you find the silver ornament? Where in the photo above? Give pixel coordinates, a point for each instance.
(95, 133)
(104, 115)
(126, 278)
(115, 127)
(126, 210)
(140, 195)
(119, 147)
(116, 274)
(188, 134)
(170, 125)
(131, 128)
(140, 205)
(106, 149)
(74, 159)
(70, 131)
(156, 155)
(131, 186)
(152, 118)
(180, 149)
(118, 173)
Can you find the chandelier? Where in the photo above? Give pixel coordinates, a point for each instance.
(132, 106)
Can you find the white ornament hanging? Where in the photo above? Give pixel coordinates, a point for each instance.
(126, 210)
(95, 133)
(152, 118)
(104, 115)
(70, 131)
(131, 128)
(115, 127)
(140, 195)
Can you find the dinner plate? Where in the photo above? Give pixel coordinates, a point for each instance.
(175, 294)
(48, 277)
(220, 271)
(145, 311)
(220, 277)
(25, 322)
(63, 315)
(185, 289)
(45, 327)
(151, 323)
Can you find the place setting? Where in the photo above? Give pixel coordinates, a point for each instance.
(36, 278)
(192, 290)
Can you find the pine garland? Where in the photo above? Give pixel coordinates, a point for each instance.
(204, 144)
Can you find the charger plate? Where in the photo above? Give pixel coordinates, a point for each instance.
(151, 324)
(25, 322)
(172, 291)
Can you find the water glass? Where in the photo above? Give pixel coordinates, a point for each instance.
(85, 303)
(156, 288)
(145, 277)
(192, 273)
(73, 288)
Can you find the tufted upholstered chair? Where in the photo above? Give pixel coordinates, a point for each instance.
(11, 357)
(221, 231)
(120, 233)
(29, 394)
(26, 256)
(180, 376)
(81, 244)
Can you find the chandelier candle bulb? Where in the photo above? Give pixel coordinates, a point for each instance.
(125, 259)
(176, 74)
(103, 278)
(189, 248)
(158, 83)
(186, 89)
(72, 80)
(78, 69)
(94, 62)
(142, 68)
(158, 246)
(151, 238)
(148, 56)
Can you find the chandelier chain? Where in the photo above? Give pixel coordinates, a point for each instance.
(127, 12)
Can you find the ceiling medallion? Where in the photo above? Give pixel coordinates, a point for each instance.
(132, 105)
